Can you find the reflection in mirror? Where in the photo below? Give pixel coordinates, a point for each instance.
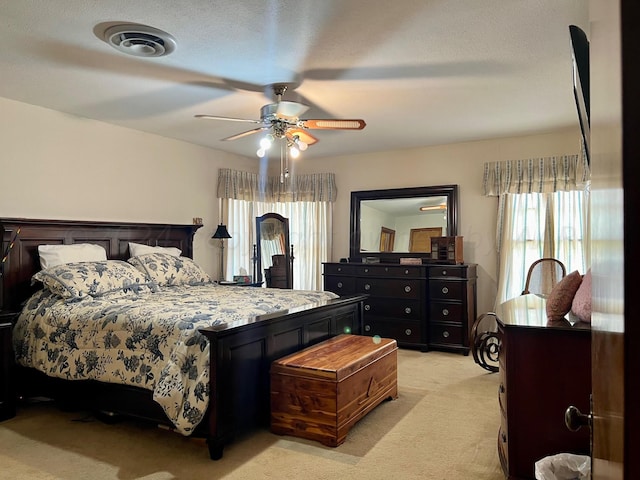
(395, 222)
(273, 257)
(413, 221)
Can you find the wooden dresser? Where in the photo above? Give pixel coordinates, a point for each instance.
(420, 306)
(543, 370)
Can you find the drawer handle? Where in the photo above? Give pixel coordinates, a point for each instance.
(407, 310)
(444, 272)
(407, 289)
(367, 307)
(367, 328)
(367, 286)
(339, 284)
(366, 270)
(445, 290)
(407, 332)
(503, 437)
(445, 312)
(445, 334)
(406, 272)
(501, 388)
(339, 269)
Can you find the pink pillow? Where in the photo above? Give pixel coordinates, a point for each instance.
(581, 306)
(561, 297)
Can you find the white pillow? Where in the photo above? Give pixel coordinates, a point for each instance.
(53, 255)
(137, 249)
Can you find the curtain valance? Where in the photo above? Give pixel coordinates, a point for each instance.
(536, 175)
(315, 187)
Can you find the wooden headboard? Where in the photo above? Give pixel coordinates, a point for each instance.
(23, 261)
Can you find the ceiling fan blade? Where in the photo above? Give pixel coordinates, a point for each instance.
(286, 109)
(244, 134)
(214, 117)
(334, 124)
(302, 134)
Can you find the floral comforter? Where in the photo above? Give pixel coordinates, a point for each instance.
(149, 341)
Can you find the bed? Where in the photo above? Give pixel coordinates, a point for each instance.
(241, 348)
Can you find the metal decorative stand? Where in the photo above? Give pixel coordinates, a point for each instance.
(485, 344)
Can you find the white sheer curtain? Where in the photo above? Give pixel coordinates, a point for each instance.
(306, 200)
(542, 212)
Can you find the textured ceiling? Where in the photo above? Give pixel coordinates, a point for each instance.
(419, 72)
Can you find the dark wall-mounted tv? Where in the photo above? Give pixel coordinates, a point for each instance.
(580, 58)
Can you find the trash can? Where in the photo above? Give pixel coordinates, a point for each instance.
(563, 466)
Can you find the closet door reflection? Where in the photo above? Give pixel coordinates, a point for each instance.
(273, 255)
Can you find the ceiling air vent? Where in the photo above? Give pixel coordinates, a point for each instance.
(140, 40)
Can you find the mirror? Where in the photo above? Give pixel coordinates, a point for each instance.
(273, 255)
(393, 223)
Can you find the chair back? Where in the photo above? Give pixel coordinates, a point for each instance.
(543, 275)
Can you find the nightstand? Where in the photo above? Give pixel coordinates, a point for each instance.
(7, 386)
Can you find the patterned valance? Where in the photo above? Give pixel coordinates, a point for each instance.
(316, 187)
(536, 175)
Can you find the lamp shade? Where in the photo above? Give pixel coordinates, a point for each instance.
(221, 232)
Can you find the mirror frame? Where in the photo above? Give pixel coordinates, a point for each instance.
(287, 254)
(449, 191)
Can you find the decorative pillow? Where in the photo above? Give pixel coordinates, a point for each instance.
(52, 255)
(137, 249)
(581, 306)
(74, 281)
(165, 269)
(561, 296)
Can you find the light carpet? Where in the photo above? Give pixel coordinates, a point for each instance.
(443, 425)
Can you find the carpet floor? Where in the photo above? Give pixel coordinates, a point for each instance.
(443, 425)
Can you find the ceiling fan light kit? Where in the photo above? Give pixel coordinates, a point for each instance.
(282, 120)
(139, 40)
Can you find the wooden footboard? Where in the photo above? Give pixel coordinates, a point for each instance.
(241, 357)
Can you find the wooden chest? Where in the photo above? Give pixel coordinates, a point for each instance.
(319, 393)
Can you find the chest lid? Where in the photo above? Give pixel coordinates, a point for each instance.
(336, 358)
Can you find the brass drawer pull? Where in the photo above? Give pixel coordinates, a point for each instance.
(445, 290)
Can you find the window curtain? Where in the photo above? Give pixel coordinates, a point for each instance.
(306, 200)
(542, 212)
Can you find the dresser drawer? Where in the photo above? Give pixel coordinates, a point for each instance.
(445, 312)
(447, 271)
(444, 334)
(339, 269)
(402, 331)
(446, 290)
(503, 449)
(340, 285)
(386, 307)
(390, 288)
(391, 271)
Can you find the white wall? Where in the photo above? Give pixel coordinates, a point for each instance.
(57, 166)
(460, 164)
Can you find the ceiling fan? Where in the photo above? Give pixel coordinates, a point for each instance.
(282, 120)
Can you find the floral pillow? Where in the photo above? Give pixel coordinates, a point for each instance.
(75, 281)
(561, 296)
(165, 269)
